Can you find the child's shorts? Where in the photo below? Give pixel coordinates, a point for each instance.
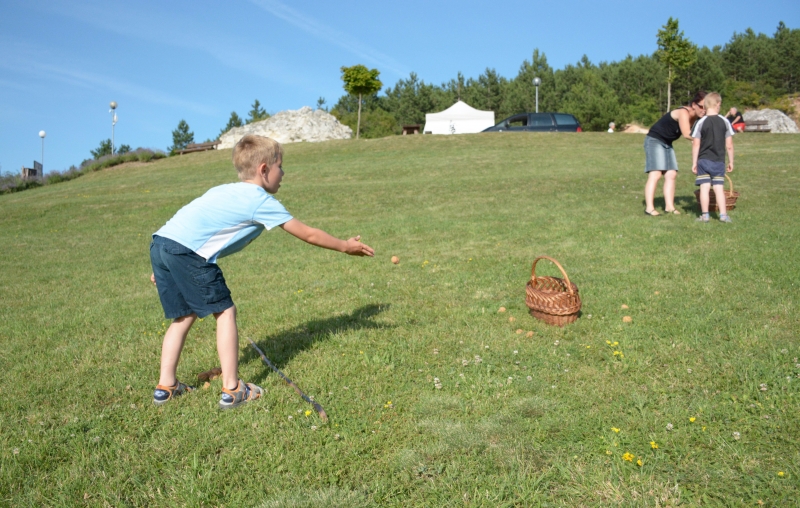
(712, 172)
(186, 282)
(659, 156)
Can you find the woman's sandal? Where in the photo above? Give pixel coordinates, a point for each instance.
(673, 211)
(652, 213)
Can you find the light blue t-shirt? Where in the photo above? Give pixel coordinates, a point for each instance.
(225, 220)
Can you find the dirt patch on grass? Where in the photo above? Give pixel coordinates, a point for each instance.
(633, 128)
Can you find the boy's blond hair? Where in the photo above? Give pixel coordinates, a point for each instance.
(712, 101)
(252, 151)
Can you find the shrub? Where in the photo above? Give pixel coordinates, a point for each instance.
(14, 183)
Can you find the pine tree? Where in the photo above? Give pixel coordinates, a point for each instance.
(181, 136)
(233, 121)
(103, 149)
(257, 113)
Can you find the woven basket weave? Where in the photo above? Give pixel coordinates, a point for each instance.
(551, 299)
(730, 198)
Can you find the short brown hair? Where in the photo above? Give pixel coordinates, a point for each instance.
(712, 100)
(252, 151)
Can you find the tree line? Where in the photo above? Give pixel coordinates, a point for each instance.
(750, 71)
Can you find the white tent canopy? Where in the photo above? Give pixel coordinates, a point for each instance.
(460, 118)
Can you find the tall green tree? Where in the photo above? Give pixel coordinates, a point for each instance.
(521, 93)
(233, 121)
(410, 100)
(360, 81)
(257, 113)
(181, 136)
(675, 52)
(103, 149)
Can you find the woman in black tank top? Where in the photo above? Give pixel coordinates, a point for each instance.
(660, 156)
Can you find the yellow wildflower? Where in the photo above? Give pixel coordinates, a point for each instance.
(627, 456)
(639, 462)
(608, 342)
(615, 429)
(781, 474)
(308, 413)
(608, 452)
(692, 419)
(653, 445)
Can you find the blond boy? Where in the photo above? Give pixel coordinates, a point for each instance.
(712, 137)
(184, 255)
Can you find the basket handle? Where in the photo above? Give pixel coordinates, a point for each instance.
(533, 271)
(730, 182)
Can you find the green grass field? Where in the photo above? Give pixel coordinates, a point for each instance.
(707, 370)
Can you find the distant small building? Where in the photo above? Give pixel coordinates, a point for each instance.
(31, 173)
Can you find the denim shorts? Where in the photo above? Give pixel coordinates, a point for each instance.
(186, 282)
(712, 172)
(659, 156)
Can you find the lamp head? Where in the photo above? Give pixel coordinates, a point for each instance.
(42, 134)
(113, 105)
(537, 81)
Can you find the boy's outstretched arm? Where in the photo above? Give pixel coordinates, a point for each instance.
(320, 238)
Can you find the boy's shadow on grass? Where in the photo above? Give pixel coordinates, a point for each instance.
(686, 204)
(282, 347)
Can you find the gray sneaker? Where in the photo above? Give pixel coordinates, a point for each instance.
(702, 218)
(164, 394)
(244, 393)
(725, 218)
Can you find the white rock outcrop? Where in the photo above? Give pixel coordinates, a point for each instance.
(304, 124)
(778, 122)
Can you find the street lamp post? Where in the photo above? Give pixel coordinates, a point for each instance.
(42, 134)
(536, 83)
(113, 112)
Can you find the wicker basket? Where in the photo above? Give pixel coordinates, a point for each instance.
(730, 198)
(551, 299)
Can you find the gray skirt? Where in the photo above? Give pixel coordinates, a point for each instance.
(659, 156)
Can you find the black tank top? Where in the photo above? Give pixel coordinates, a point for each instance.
(666, 129)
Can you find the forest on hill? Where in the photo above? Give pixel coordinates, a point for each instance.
(750, 71)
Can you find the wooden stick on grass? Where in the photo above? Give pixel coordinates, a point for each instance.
(316, 405)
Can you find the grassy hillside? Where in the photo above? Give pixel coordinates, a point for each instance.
(707, 371)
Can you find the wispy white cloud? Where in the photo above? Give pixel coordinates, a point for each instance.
(330, 35)
(160, 28)
(31, 66)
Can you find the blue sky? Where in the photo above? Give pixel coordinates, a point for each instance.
(64, 61)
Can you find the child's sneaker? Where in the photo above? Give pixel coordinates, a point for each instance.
(163, 394)
(725, 218)
(244, 393)
(702, 218)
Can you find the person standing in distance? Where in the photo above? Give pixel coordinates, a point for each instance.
(660, 157)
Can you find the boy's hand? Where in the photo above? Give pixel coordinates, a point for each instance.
(153, 278)
(730, 167)
(694, 169)
(356, 248)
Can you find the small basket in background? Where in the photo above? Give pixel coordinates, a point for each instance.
(730, 198)
(551, 299)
